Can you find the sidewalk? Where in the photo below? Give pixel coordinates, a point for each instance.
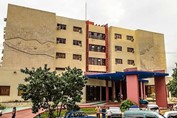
(27, 113)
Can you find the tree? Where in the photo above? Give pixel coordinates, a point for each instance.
(74, 83)
(172, 85)
(43, 88)
(46, 89)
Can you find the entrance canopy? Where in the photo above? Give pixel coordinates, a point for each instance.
(122, 75)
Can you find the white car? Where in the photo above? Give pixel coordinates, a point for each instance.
(153, 107)
(170, 114)
(0, 113)
(114, 112)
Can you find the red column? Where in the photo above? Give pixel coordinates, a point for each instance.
(160, 91)
(107, 92)
(144, 91)
(113, 90)
(132, 88)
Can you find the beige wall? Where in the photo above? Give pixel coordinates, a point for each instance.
(124, 55)
(69, 48)
(12, 79)
(151, 50)
(29, 38)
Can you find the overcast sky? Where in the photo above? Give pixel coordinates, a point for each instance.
(152, 15)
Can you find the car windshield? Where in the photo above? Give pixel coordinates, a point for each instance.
(154, 108)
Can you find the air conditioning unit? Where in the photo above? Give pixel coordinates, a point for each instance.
(58, 27)
(80, 44)
(5, 19)
(80, 59)
(80, 31)
(132, 39)
(116, 36)
(133, 51)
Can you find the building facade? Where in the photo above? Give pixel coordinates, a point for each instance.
(34, 38)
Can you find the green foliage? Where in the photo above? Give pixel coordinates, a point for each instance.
(86, 110)
(172, 85)
(74, 83)
(2, 107)
(125, 105)
(46, 89)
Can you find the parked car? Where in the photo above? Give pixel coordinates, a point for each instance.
(114, 112)
(143, 101)
(170, 114)
(77, 114)
(142, 114)
(153, 107)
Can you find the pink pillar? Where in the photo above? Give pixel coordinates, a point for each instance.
(160, 91)
(141, 89)
(107, 92)
(132, 88)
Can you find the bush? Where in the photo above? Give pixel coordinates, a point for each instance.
(125, 105)
(2, 107)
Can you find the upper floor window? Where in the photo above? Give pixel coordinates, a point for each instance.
(97, 61)
(77, 29)
(61, 40)
(4, 90)
(60, 55)
(130, 38)
(96, 35)
(61, 26)
(118, 61)
(131, 62)
(96, 48)
(130, 49)
(77, 57)
(118, 36)
(77, 42)
(118, 48)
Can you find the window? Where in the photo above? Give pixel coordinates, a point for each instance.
(4, 90)
(131, 62)
(96, 48)
(20, 92)
(118, 61)
(60, 69)
(118, 36)
(77, 57)
(61, 26)
(61, 40)
(96, 35)
(60, 55)
(130, 49)
(96, 61)
(118, 48)
(130, 38)
(77, 29)
(76, 42)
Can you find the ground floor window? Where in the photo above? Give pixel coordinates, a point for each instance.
(150, 89)
(4, 90)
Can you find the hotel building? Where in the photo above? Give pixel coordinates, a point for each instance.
(34, 38)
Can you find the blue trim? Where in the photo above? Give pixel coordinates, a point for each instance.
(117, 76)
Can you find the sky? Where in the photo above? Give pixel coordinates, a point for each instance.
(151, 15)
